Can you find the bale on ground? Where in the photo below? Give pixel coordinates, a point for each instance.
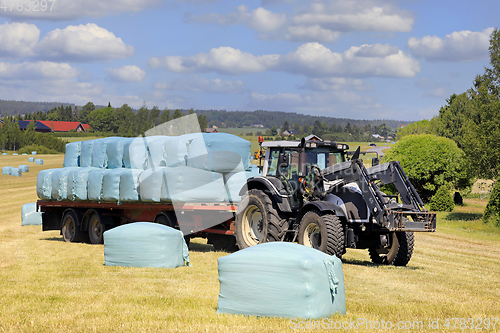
(31, 159)
(281, 279)
(29, 215)
(144, 244)
(24, 168)
(39, 161)
(6, 170)
(15, 172)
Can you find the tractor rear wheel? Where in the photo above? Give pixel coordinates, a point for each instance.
(323, 232)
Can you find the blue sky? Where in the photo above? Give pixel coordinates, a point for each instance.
(363, 59)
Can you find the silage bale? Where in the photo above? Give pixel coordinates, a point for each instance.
(111, 185)
(6, 170)
(219, 152)
(29, 215)
(5, 154)
(186, 184)
(151, 184)
(31, 159)
(234, 183)
(72, 154)
(144, 244)
(15, 154)
(129, 185)
(39, 161)
(176, 151)
(44, 184)
(136, 153)
(86, 153)
(24, 168)
(60, 179)
(33, 153)
(99, 155)
(115, 151)
(94, 184)
(24, 154)
(157, 152)
(280, 279)
(15, 172)
(78, 183)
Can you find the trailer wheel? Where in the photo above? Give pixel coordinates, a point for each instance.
(399, 251)
(96, 229)
(259, 221)
(323, 232)
(70, 229)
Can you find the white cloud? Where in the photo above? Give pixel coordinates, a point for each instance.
(83, 43)
(303, 33)
(18, 39)
(458, 46)
(223, 60)
(200, 84)
(259, 19)
(336, 83)
(37, 71)
(66, 10)
(126, 73)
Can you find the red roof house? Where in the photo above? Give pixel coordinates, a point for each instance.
(65, 126)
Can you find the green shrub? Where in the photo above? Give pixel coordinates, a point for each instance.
(442, 201)
(492, 211)
(38, 149)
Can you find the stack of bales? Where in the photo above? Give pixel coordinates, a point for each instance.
(188, 168)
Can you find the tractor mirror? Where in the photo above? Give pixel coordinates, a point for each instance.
(283, 161)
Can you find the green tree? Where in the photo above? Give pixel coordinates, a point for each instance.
(165, 116)
(418, 127)
(202, 120)
(285, 127)
(154, 117)
(85, 112)
(177, 114)
(430, 162)
(103, 120)
(492, 211)
(125, 121)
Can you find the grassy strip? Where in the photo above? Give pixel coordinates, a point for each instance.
(51, 286)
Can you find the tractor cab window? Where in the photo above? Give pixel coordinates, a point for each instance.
(289, 171)
(273, 162)
(323, 157)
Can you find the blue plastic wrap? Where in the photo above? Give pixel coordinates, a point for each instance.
(186, 184)
(31, 159)
(115, 151)
(219, 152)
(176, 151)
(16, 172)
(5, 154)
(144, 244)
(44, 184)
(281, 279)
(129, 185)
(39, 161)
(33, 153)
(78, 183)
(95, 184)
(136, 153)
(151, 184)
(15, 154)
(235, 182)
(29, 215)
(60, 183)
(157, 152)
(24, 168)
(111, 185)
(99, 155)
(6, 170)
(72, 154)
(86, 153)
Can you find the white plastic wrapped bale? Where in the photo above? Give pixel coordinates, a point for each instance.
(72, 154)
(99, 154)
(281, 279)
(235, 182)
(4, 154)
(60, 183)
(78, 183)
(44, 184)
(130, 185)
(31, 159)
(39, 161)
(111, 185)
(114, 152)
(176, 151)
(157, 152)
(16, 172)
(144, 244)
(6, 170)
(151, 184)
(29, 215)
(219, 152)
(15, 154)
(86, 153)
(24, 168)
(186, 184)
(94, 184)
(136, 153)
(24, 154)
(33, 153)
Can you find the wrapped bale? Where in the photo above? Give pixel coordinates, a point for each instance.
(16, 172)
(24, 154)
(94, 184)
(219, 152)
(72, 154)
(234, 183)
(129, 185)
(24, 168)
(144, 244)
(111, 185)
(31, 159)
(157, 152)
(5, 154)
(176, 151)
(86, 153)
(99, 155)
(60, 179)
(281, 279)
(29, 215)
(15, 154)
(186, 184)
(78, 183)
(151, 184)
(44, 184)
(136, 153)
(39, 161)
(33, 153)
(6, 170)
(114, 152)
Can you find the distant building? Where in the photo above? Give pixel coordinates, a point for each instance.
(211, 130)
(39, 127)
(313, 137)
(55, 126)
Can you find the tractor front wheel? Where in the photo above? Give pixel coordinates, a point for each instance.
(323, 232)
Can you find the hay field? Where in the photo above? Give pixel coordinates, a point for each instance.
(48, 285)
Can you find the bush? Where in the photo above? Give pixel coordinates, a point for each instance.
(431, 162)
(38, 149)
(442, 201)
(492, 211)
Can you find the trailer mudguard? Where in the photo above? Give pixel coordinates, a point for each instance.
(274, 187)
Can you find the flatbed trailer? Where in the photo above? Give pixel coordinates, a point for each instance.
(87, 220)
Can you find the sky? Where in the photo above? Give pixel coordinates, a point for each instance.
(360, 59)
